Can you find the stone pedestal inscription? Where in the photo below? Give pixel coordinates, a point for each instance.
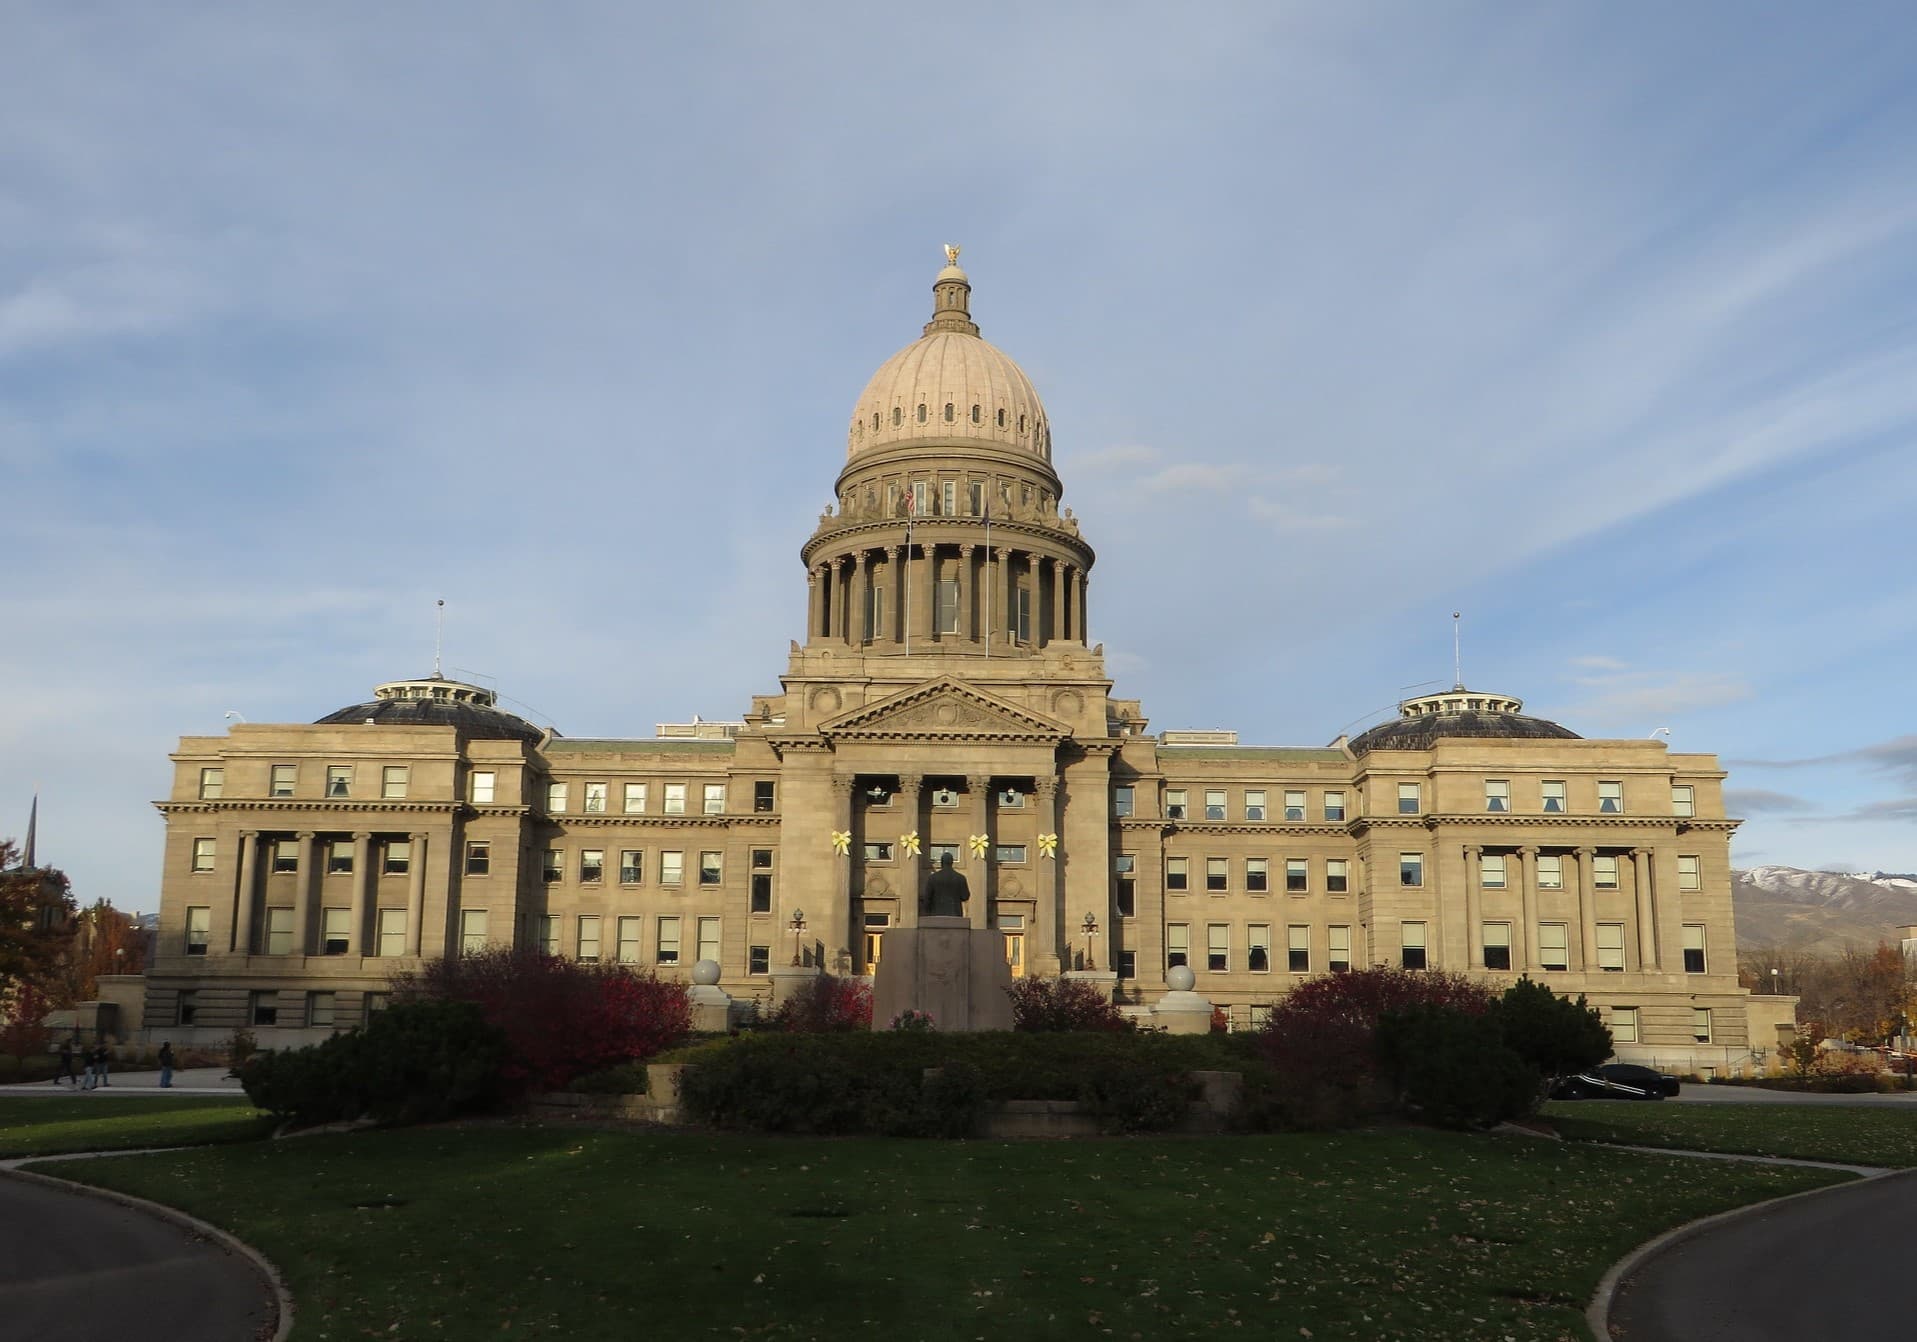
(948, 969)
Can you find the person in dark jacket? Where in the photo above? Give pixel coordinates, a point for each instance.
(166, 1063)
(66, 1072)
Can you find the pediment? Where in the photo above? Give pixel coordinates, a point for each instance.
(946, 710)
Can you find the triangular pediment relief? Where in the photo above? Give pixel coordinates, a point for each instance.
(946, 710)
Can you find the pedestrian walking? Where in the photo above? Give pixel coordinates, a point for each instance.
(166, 1063)
(92, 1071)
(100, 1059)
(66, 1065)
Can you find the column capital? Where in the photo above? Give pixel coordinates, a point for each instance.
(1528, 850)
(1587, 852)
(892, 552)
(978, 783)
(1046, 787)
(1474, 850)
(308, 835)
(362, 836)
(812, 576)
(912, 783)
(967, 548)
(858, 559)
(842, 785)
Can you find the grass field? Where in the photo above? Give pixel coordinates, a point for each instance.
(1852, 1134)
(494, 1229)
(35, 1126)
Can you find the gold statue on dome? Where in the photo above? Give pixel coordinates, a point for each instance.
(951, 253)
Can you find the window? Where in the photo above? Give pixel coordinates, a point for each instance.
(398, 858)
(1254, 804)
(1624, 1025)
(672, 868)
(592, 865)
(632, 866)
(1552, 946)
(1009, 852)
(1550, 871)
(1411, 945)
(1689, 877)
(212, 784)
(484, 781)
(203, 855)
(335, 931)
(472, 931)
(1497, 945)
(556, 798)
(763, 797)
(1610, 947)
(675, 799)
(948, 489)
(758, 959)
(1337, 875)
(1497, 795)
(186, 1007)
(1411, 869)
(1257, 875)
(1022, 617)
(1683, 800)
(1701, 1024)
(280, 780)
(1553, 794)
(945, 606)
(371, 1004)
(263, 1008)
(635, 799)
(546, 933)
(709, 939)
(1408, 799)
(1295, 805)
(1121, 802)
(1010, 799)
(1217, 875)
(286, 855)
(1124, 883)
(392, 931)
(1177, 944)
(1693, 948)
(713, 800)
(1258, 948)
(322, 1008)
(1338, 952)
(1491, 871)
(588, 940)
(1175, 803)
(199, 928)
(1298, 949)
(878, 852)
(479, 858)
(1214, 805)
(1297, 875)
(1128, 964)
(1610, 798)
(1604, 872)
(339, 857)
(1218, 948)
(630, 930)
(761, 881)
(1177, 873)
(711, 867)
(595, 799)
(668, 952)
(392, 782)
(339, 780)
(1334, 806)
(552, 865)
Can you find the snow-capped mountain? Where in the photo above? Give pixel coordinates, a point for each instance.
(1821, 910)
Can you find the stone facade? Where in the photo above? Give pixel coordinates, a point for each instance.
(947, 698)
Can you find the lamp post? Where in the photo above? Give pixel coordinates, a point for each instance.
(1090, 928)
(1775, 990)
(798, 930)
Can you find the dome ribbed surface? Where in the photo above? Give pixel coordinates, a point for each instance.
(955, 369)
(1424, 730)
(476, 722)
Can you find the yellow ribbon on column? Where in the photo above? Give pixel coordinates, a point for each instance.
(842, 842)
(981, 843)
(910, 843)
(1048, 845)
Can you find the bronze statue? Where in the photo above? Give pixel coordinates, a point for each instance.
(945, 892)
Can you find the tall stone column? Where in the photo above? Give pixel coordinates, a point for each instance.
(1084, 582)
(1528, 877)
(968, 623)
(979, 788)
(812, 604)
(926, 616)
(303, 893)
(862, 632)
(362, 888)
(1473, 907)
(842, 598)
(1045, 948)
(1056, 630)
(1641, 880)
(1009, 577)
(1587, 907)
(415, 893)
(249, 891)
(911, 870)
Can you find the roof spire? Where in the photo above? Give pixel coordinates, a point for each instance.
(951, 298)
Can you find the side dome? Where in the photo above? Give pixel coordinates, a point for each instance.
(950, 385)
(434, 701)
(1458, 714)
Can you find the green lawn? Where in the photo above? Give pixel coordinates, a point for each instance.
(32, 1126)
(1852, 1134)
(495, 1228)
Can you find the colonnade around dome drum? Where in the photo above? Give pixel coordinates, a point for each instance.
(989, 583)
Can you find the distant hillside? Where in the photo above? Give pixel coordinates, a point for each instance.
(1821, 911)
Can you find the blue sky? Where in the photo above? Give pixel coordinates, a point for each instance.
(1593, 322)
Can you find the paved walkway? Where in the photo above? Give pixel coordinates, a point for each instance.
(1758, 1095)
(187, 1081)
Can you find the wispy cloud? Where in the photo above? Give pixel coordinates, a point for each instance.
(1757, 801)
(1638, 697)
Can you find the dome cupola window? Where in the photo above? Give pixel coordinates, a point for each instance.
(921, 412)
(948, 412)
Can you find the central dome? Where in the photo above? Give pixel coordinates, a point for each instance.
(949, 385)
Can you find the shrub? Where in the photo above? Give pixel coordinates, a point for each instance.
(628, 1078)
(1319, 1075)
(23, 1035)
(910, 1019)
(240, 1046)
(1363, 996)
(1048, 1006)
(1553, 1035)
(1135, 1097)
(824, 1005)
(1453, 1068)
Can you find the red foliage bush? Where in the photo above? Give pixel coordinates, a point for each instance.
(561, 1018)
(1053, 1006)
(1363, 996)
(824, 1005)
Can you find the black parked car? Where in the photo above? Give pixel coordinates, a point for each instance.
(1615, 1081)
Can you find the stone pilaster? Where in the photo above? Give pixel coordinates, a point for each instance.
(303, 888)
(1587, 908)
(248, 895)
(1473, 907)
(415, 892)
(1528, 897)
(911, 869)
(1648, 955)
(1043, 950)
(362, 887)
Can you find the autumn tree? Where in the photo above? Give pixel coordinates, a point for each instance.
(104, 941)
(36, 909)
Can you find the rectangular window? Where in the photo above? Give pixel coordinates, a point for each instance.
(1610, 947)
(339, 857)
(479, 858)
(668, 952)
(1297, 875)
(1258, 948)
(711, 867)
(1689, 877)
(556, 798)
(878, 852)
(1127, 964)
(1254, 803)
(874, 614)
(1553, 943)
(630, 931)
(552, 865)
(1491, 871)
(763, 797)
(1295, 805)
(280, 780)
(1257, 875)
(1218, 948)
(1175, 803)
(186, 1008)
(1497, 795)
(632, 866)
(1701, 1024)
(758, 959)
(392, 931)
(1022, 614)
(335, 931)
(1693, 948)
(286, 855)
(1334, 806)
(1550, 871)
(1298, 949)
(1497, 945)
(339, 780)
(1177, 945)
(762, 892)
(1009, 852)
(546, 933)
(263, 1007)
(1610, 798)
(392, 782)
(472, 930)
(975, 496)
(1604, 872)
(1683, 800)
(713, 799)
(1217, 875)
(945, 606)
(596, 798)
(592, 865)
(322, 1008)
(1624, 1025)
(948, 500)
(1408, 799)
(1411, 869)
(1338, 952)
(212, 784)
(1177, 874)
(1214, 805)
(635, 799)
(199, 928)
(1338, 875)
(1121, 802)
(203, 855)
(484, 782)
(588, 941)
(675, 799)
(1411, 945)
(1552, 790)
(936, 853)
(371, 1004)
(709, 939)
(672, 867)
(398, 857)
(1124, 883)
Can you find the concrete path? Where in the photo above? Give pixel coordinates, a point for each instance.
(1690, 1091)
(187, 1081)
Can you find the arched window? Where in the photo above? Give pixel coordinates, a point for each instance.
(975, 415)
(1021, 424)
(948, 412)
(1001, 417)
(898, 417)
(921, 412)
(875, 421)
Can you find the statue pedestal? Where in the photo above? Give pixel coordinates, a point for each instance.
(947, 968)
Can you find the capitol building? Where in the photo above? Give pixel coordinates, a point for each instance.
(949, 699)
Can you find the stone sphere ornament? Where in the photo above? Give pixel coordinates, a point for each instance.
(1180, 979)
(706, 973)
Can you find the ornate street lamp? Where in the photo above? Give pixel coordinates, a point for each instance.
(1090, 928)
(798, 930)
